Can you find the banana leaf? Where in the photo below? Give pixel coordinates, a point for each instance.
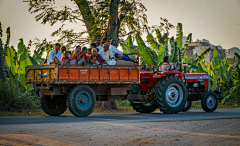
(22, 62)
(21, 47)
(124, 46)
(201, 56)
(10, 60)
(203, 66)
(219, 66)
(210, 70)
(129, 41)
(174, 51)
(179, 38)
(214, 82)
(32, 61)
(189, 40)
(157, 49)
(144, 51)
(200, 69)
(237, 56)
(193, 66)
(185, 58)
(159, 36)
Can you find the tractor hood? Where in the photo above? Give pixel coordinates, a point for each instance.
(196, 76)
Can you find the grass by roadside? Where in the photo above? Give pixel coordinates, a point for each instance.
(123, 107)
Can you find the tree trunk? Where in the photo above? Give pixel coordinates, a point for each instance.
(89, 20)
(2, 67)
(114, 22)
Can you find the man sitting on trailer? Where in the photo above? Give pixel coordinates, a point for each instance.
(114, 49)
(163, 67)
(106, 53)
(55, 52)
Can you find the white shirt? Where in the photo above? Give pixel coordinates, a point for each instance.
(99, 48)
(164, 67)
(107, 55)
(52, 54)
(115, 50)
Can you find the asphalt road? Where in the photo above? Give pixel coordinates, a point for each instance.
(191, 128)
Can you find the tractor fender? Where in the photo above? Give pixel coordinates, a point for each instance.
(40, 89)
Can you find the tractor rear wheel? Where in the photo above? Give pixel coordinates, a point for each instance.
(81, 101)
(187, 106)
(170, 95)
(53, 106)
(209, 101)
(141, 108)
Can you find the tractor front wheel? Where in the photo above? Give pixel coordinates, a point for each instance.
(170, 95)
(209, 101)
(187, 106)
(81, 101)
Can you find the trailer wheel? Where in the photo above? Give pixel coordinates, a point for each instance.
(209, 101)
(53, 106)
(170, 95)
(187, 106)
(141, 108)
(81, 101)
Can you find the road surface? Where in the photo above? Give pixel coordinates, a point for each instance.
(195, 127)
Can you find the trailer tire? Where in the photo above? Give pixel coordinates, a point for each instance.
(144, 109)
(209, 101)
(166, 90)
(187, 106)
(40, 89)
(81, 100)
(52, 106)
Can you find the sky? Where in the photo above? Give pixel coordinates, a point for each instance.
(215, 20)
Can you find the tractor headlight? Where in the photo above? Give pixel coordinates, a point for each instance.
(195, 85)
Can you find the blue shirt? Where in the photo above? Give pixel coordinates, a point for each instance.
(126, 58)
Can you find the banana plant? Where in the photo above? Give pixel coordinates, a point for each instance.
(236, 80)
(10, 60)
(145, 51)
(219, 66)
(128, 47)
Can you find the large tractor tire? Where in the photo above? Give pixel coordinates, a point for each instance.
(170, 95)
(81, 101)
(53, 106)
(209, 101)
(141, 108)
(187, 106)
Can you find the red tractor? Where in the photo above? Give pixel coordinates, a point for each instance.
(79, 87)
(172, 92)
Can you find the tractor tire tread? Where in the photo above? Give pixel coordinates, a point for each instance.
(160, 95)
(71, 105)
(52, 112)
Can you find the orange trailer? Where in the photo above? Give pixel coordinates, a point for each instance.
(80, 86)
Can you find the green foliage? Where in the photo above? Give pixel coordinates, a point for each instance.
(174, 51)
(219, 66)
(14, 97)
(179, 37)
(95, 15)
(128, 47)
(10, 60)
(144, 50)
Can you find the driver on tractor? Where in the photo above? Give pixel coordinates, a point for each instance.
(163, 67)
